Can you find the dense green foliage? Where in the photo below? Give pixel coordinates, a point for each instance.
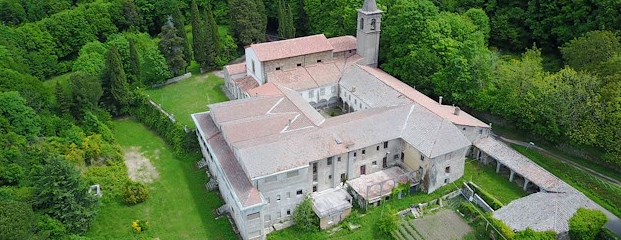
(586, 224)
(286, 28)
(388, 222)
(172, 46)
(488, 198)
(248, 21)
(135, 193)
(305, 218)
(15, 219)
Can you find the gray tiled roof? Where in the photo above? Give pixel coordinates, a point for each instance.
(520, 164)
(543, 211)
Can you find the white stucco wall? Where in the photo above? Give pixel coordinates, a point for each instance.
(259, 71)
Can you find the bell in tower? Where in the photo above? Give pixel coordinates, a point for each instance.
(368, 33)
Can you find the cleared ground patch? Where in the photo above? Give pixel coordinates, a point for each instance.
(140, 168)
(442, 225)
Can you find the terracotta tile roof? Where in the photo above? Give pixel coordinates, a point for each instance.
(236, 68)
(343, 43)
(246, 84)
(242, 188)
(268, 89)
(291, 47)
(304, 78)
(520, 164)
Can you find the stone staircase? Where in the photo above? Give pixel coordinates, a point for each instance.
(201, 164)
(212, 185)
(406, 231)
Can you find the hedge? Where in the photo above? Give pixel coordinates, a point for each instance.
(586, 224)
(173, 133)
(491, 200)
(502, 227)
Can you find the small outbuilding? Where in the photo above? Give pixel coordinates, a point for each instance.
(331, 206)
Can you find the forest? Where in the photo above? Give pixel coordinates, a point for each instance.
(550, 68)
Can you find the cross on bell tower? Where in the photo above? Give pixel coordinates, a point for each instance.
(368, 33)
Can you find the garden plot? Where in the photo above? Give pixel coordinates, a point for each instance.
(443, 225)
(140, 168)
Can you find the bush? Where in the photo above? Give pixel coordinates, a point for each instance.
(502, 227)
(135, 193)
(305, 218)
(140, 226)
(49, 228)
(586, 224)
(15, 219)
(530, 234)
(112, 180)
(488, 198)
(468, 209)
(388, 223)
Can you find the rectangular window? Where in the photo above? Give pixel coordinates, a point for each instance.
(480, 131)
(277, 68)
(364, 151)
(253, 216)
(318, 60)
(395, 157)
(338, 159)
(446, 180)
(293, 174)
(355, 154)
(322, 91)
(278, 197)
(377, 148)
(447, 169)
(342, 177)
(374, 163)
(254, 70)
(311, 93)
(299, 65)
(330, 176)
(314, 167)
(314, 188)
(299, 192)
(385, 144)
(422, 158)
(330, 161)
(288, 212)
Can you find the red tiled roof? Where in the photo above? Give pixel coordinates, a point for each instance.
(343, 43)
(246, 84)
(268, 89)
(236, 68)
(291, 47)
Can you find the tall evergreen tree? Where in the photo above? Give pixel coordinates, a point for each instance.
(179, 21)
(286, 29)
(301, 19)
(64, 105)
(213, 39)
(114, 83)
(199, 36)
(132, 17)
(261, 21)
(171, 45)
(247, 21)
(133, 76)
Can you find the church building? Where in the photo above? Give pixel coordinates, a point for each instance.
(313, 117)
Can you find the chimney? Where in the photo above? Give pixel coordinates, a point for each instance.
(490, 125)
(440, 101)
(457, 110)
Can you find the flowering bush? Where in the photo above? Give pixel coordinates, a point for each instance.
(140, 226)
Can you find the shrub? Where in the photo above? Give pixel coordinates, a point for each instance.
(468, 209)
(586, 224)
(388, 222)
(49, 228)
(140, 226)
(305, 218)
(530, 234)
(15, 219)
(112, 180)
(135, 193)
(502, 227)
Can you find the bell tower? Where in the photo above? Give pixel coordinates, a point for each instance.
(368, 33)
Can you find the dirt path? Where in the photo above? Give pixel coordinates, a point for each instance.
(564, 160)
(139, 168)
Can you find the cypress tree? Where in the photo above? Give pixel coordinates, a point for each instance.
(301, 19)
(133, 76)
(261, 21)
(213, 39)
(64, 105)
(179, 21)
(199, 36)
(171, 45)
(286, 29)
(116, 91)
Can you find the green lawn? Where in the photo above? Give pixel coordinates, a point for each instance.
(179, 206)
(189, 96)
(606, 195)
(497, 185)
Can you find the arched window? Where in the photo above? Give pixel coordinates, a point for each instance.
(361, 23)
(373, 23)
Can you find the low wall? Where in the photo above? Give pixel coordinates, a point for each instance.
(479, 201)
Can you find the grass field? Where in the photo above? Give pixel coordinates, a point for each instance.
(189, 96)
(606, 195)
(495, 184)
(179, 206)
